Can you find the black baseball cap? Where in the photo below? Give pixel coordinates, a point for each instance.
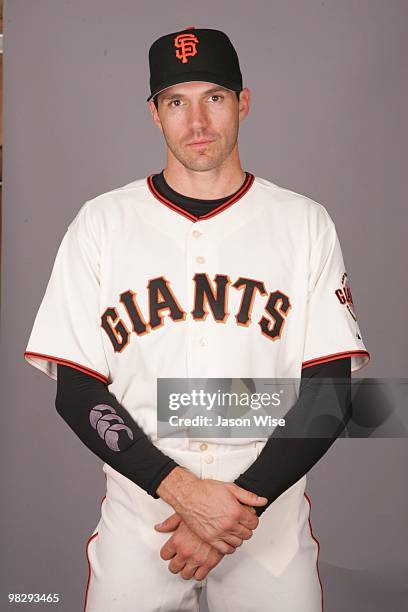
(193, 54)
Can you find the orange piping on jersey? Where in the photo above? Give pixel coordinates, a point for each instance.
(89, 568)
(333, 357)
(318, 545)
(93, 536)
(167, 202)
(72, 364)
(245, 187)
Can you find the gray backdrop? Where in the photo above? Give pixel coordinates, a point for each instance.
(329, 85)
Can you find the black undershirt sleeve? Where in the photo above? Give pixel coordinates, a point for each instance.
(284, 460)
(108, 429)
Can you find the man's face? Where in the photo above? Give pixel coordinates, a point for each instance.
(195, 111)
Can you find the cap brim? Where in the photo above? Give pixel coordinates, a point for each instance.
(206, 77)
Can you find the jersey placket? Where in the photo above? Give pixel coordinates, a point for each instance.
(199, 256)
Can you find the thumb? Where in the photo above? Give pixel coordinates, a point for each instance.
(170, 524)
(249, 498)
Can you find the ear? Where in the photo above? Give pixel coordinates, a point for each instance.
(155, 114)
(244, 103)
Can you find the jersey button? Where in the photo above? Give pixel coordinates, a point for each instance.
(200, 259)
(203, 341)
(196, 233)
(203, 446)
(209, 459)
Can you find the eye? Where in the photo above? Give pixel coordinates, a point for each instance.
(173, 102)
(217, 96)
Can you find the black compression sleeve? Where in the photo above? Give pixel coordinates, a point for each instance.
(108, 429)
(284, 460)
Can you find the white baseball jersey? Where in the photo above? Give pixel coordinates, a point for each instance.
(142, 289)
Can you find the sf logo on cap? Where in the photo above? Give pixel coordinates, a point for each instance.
(185, 46)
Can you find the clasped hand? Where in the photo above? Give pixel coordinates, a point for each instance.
(212, 518)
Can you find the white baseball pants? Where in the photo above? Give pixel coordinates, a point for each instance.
(275, 570)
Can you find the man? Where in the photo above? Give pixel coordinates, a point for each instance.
(200, 271)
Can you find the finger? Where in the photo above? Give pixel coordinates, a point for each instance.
(246, 535)
(205, 568)
(169, 524)
(188, 571)
(248, 519)
(167, 551)
(201, 573)
(242, 532)
(250, 508)
(176, 565)
(247, 497)
(223, 547)
(234, 540)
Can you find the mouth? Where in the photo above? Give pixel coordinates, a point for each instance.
(200, 143)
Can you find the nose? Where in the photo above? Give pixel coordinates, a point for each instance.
(198, 115)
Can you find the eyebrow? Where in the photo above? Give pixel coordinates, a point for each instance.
(180, 95)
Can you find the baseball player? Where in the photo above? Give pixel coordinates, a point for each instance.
(203, 270)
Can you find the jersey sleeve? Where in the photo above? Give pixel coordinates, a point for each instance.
(332, 330)
(67, 327)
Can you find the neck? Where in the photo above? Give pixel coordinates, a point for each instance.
(207, 184)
